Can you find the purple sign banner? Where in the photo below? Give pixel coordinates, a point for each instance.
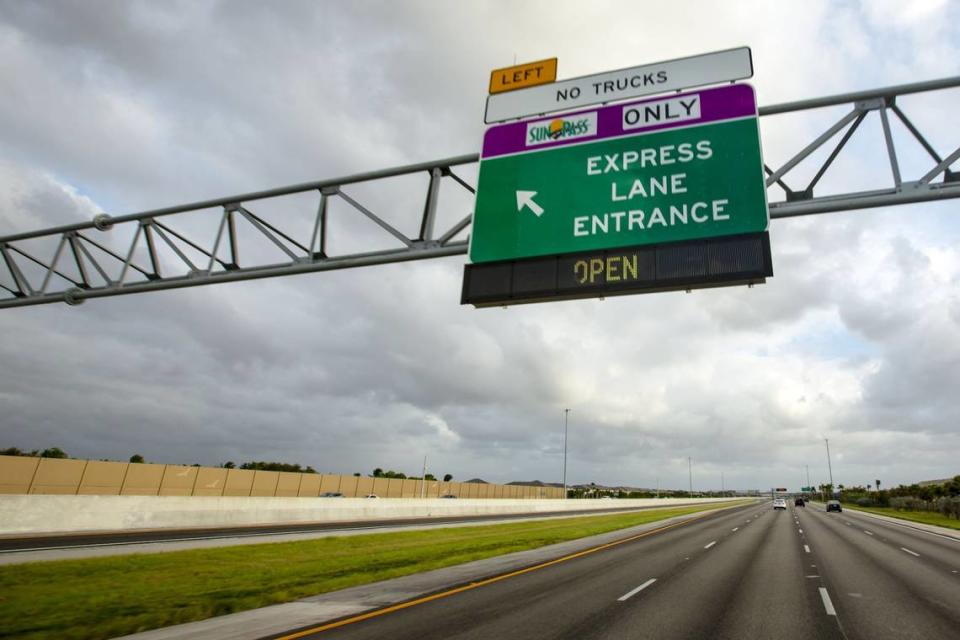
(627, 119)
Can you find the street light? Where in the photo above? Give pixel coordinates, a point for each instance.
(829, 467)
(423, 479)
(566, 414)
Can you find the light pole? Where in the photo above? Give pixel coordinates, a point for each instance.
(423, 479)
(721, 482)
(829, 467)
(690, 472)
(808, 474)
(566, 414)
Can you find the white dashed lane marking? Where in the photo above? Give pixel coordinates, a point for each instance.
(707, 546)
(633, 592)
(827, 604)
(806, 548)
(913, 553)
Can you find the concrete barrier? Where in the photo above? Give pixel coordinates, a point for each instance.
(23, 515)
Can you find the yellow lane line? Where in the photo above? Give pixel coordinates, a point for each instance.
(482, 583)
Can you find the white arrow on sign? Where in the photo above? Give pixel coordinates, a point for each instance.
(525, 199)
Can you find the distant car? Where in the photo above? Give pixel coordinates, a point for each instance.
(779, 503)
(331, 494)
(799, 503)
(449, 496)
(834, 505)
(371, 495)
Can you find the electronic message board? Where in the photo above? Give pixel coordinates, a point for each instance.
(676, 266)
(678, 172)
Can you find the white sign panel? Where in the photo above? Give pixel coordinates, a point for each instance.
(683, 73)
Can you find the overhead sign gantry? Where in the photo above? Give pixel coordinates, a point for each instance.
(166, 248)
(660, 194)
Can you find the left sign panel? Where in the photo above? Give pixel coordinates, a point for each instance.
(519, 76)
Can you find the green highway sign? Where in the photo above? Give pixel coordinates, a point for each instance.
(678, 168)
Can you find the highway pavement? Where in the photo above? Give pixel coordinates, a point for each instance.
(750, 572)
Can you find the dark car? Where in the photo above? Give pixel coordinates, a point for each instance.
(331, 494)
(834, 505)
(799, 503)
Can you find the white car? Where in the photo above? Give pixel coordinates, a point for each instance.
(779, 503)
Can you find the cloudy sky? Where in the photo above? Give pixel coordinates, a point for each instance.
(126, 106)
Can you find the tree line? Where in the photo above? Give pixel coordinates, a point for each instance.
(255, 465)
(57, 452)
(941, 498)
(52, 452)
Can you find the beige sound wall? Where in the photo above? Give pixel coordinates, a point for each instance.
(28, 475)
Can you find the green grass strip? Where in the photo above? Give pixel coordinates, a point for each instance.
(107, 597)
(926, 517)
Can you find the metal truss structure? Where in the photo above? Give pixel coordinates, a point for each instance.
(83, 265)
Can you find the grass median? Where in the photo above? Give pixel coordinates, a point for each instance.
(926, 517)
(107, 597)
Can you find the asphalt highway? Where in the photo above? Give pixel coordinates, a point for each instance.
(748, 572)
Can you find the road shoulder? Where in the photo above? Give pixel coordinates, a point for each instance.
(910, 524)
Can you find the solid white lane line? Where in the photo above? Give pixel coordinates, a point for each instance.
(806, 548)
(630, 594)
(826, 602)
(913, 553)
(734, 529)
(867, 532)
(707, 546)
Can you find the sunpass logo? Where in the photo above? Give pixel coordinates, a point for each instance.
(564, 128)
